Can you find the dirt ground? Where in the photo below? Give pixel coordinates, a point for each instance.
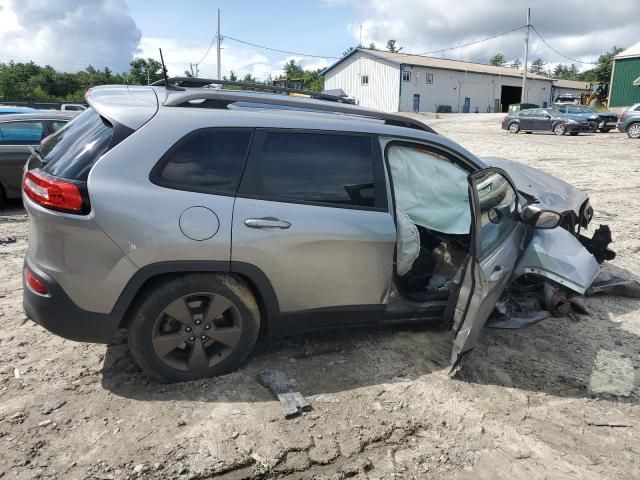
(557, 400)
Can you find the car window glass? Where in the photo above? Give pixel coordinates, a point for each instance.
(58, 124)
(313, 167)
(525, 113)
(207, 161)
(497, 209)
(21, 133)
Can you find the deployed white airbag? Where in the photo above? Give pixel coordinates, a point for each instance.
(408, 243)
(430, 189)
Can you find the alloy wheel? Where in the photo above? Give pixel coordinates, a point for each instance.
(196, 331)
(634, 130)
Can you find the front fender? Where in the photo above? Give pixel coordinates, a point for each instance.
(557, 255)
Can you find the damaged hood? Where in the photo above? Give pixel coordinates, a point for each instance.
(553, 193)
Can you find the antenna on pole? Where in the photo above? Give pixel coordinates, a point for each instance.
(360, 44)
(219, 41)
(523, 96)
(167, 85)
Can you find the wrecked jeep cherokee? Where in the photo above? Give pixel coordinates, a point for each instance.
(200, 219)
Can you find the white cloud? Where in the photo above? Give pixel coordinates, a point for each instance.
(423, 26)
(68, 34)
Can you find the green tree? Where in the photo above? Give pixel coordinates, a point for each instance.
(391, 46)
(516, 63)
(372, 46)
(498, 60)
(537, 66)
(602, 71)
(293, 70)
(145, 71)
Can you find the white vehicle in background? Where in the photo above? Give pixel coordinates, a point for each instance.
(72, 107)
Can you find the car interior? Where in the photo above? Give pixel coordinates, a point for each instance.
(433, 219)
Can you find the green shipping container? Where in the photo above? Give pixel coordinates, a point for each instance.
(623, 92)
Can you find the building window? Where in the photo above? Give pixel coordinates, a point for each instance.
(429, 78)
(406, 76)
(364, 80)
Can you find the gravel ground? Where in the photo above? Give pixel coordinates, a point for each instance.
(557, 400)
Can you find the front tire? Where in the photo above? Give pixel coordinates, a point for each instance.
(633, 130)
(514, 128)
(559, 129)
(194, 326)
(593, 127)
(605, 130)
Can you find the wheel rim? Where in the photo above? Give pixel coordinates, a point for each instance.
(634, 130)
(513, 128)
(559, 129)
(196, 331)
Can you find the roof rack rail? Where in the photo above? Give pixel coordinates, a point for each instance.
(189, 95)
(194, 82)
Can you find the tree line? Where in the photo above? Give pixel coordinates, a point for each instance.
(34, 83)
(600, 72)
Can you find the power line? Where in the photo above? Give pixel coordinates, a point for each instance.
(471, 43)
(208, 48)
(277, 50)
(561, 54)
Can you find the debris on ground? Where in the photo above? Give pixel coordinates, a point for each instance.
(52, 406)
(286, 391)
(7, 240)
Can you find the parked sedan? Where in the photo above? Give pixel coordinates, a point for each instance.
(603, 121)
(18, 132)
(630, 121)
(543, 119)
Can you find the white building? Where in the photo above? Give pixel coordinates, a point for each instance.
(394, 82)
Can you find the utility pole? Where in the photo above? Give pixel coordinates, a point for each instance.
(360, 44)
(523, 97)
(219, 41)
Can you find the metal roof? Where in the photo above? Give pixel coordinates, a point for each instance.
(440, 63)
(572, 84)
(631, 52)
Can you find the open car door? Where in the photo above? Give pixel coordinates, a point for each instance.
(497, 234)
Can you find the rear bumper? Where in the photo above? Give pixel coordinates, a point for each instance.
(60, 315)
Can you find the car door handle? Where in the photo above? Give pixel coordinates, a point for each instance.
(267, 223)
(496, 274)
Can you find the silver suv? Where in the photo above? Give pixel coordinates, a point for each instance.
(201, 219)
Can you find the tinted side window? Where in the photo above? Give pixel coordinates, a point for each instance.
(58, 124)
(209, 161)
(21, 133)
(313, 167)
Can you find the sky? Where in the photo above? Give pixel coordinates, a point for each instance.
(71, 34)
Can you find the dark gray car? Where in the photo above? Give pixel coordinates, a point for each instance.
(630, 121)
(543, 119)
(18, 132)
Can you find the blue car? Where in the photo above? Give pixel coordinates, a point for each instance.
(603, 121)
(10, 109)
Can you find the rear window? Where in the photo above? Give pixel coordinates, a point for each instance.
(72, 151)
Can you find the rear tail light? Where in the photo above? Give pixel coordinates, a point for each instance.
(622, 116)
(34, 282)
(53, 192)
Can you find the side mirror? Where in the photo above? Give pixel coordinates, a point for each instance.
(544, 219)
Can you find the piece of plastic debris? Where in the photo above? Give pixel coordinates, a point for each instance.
(286, 391)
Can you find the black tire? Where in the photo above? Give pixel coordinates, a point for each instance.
(573, 134)
(633, 130)
(559, 128)
(151, 327)
(593, 127)
(605, 130)
(3, 197)
(514, 127)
